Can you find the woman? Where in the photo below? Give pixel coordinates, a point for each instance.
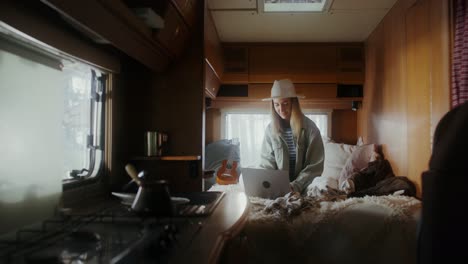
(292, 141)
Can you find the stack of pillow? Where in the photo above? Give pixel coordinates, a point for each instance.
(341, 162)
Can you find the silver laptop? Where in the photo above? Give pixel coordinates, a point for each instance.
(265, 183)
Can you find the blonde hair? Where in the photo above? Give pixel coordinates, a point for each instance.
(295, 120)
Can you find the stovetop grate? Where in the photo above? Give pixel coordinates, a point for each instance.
(111, 234)
(116, 228)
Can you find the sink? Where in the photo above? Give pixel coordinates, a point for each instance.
(201, 203)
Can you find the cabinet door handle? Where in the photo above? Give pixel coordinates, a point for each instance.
(176, 32)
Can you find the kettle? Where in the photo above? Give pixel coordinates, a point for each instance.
(153, 199)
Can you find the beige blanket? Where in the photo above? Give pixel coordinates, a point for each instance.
(331, 229)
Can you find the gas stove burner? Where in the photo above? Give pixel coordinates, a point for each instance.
(76, 247)
(82, 241)
(112, 235)
(85, 236)
(81, 245)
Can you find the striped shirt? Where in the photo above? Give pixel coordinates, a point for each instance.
(288, 136)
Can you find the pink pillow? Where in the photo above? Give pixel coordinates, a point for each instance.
(356, 162)
(336, 155)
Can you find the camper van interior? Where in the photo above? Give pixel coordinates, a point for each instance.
(120, 119)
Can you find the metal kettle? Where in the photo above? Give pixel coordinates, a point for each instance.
(153, 199)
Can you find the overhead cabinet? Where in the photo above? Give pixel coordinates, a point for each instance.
(113, 22)
(175, 33)
(211, 82)
(213, 57)
(188, 10)
(236, 64)
(350, 65)
(179, 17)
(302, 62)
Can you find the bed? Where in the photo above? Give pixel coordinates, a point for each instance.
(326, 224)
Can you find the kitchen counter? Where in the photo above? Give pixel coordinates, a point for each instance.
(106, 231)
(226, 221)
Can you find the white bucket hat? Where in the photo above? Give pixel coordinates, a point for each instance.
(283, 89)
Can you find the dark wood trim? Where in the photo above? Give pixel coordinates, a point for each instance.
(114, 22)
(37, 21)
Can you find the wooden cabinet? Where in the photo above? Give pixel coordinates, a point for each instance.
(113, 22)
(211, 82)
(212, 45)
(236, 64)
(302, 63)
(187, 8)
(175, 33)
(213, 58)
(350, 68)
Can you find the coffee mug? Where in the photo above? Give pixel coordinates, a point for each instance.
(155, 143)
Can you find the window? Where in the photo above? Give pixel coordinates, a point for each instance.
(51, 119)
(249, 128)
(82, 121)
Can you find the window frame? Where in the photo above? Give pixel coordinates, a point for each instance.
(227, 111)
(93, 143)
(34, 46)
(305, 111)
(328, 112)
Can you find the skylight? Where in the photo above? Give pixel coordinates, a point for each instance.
(294, 5)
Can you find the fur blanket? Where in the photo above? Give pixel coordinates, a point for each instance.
(331, 228)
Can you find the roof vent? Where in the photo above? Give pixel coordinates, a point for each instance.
(289, 6)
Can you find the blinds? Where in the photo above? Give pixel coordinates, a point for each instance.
(21, 45)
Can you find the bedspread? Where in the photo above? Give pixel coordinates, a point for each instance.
(331, 228)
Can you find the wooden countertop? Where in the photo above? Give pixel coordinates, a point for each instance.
(226, 221)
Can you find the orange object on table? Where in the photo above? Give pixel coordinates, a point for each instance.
(227, 173)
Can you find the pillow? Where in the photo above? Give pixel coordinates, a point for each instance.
(358, 160)
(220, 150)
(336, 155)
(326, 139)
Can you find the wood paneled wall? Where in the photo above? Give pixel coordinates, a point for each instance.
(407, 83)
(301, 62)
(213, 125)
(344, 126)
(171, 101)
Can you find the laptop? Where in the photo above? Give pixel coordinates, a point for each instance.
(265, 183)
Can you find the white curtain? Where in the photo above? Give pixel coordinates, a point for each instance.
(460, 54)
